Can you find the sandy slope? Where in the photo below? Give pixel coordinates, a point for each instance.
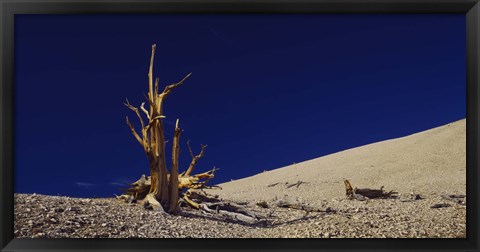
(429, 162)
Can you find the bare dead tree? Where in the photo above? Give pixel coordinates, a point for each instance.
(164, 189)
(163, 185)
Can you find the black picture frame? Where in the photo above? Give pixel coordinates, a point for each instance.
(9, 8)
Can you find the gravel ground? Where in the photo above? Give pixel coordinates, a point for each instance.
(41, 216)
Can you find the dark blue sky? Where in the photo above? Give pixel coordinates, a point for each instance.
(266, 90)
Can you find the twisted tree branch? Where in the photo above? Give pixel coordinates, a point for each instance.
(195, 160)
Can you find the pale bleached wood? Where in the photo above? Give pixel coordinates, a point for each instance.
(173, 187)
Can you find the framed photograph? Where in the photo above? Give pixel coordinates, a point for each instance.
(218, 125)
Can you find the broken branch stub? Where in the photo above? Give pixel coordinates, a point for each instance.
(194, 159)
(173, 181)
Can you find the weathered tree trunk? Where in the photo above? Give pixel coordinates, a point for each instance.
(153, 142)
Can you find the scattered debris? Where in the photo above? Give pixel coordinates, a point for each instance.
(297, 184)
(441, 205)
(287, 202)
(274, 184)
(358, 197)
(457, 198)
(287, 185)
(413, 197)
(366, 193)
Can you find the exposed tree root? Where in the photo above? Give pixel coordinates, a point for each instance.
(229, 210)
(213, 205)
(150, 202)
(197, 199)
(140, 188)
